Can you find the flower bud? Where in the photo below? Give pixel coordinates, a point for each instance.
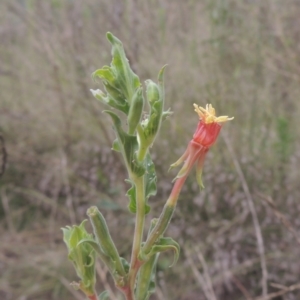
(206, 134)
(104, 239)
(152, 91)
(135, 111)
(155, 99)
(204, 137)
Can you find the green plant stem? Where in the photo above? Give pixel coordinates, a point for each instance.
(138, 233)
(166, 215)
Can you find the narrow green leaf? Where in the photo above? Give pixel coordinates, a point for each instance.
(150, 177)
(162, 245)
(106, 74)
(166, 114)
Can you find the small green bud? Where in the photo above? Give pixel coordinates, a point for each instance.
(104, 239)
(135, 111)
(152, 91)
(155, 99)
(82, 256)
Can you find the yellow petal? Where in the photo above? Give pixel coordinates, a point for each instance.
(208, 114)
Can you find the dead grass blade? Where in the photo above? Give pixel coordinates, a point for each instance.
(285, 290)
(250, 202)
(282, 218)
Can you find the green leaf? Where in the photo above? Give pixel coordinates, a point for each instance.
(119, 80)
(162, 245)
(110, 83)
(116, 146)
(166, 114)
(125, 78)
(109, 100)
(128, 146)
(150, 186)
(125, 264)
(131, 193)
(104, 295)
(91, 243)
(106, 74)
(150, 177)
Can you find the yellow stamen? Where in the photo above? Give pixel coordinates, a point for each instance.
(208, 114)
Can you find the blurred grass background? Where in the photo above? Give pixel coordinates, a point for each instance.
(243, 56)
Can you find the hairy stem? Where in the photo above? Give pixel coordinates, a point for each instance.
(166, 215)
(138, 233)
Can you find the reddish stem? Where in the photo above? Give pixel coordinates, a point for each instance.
(172, 200)
(127, 292)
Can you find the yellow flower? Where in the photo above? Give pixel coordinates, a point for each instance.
(208, 114)
(204, 137)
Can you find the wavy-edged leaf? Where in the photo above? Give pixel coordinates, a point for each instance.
(99, 251)
(131, 193)
(110, 83)
(125, 78)
(164, 244)
(150, 178)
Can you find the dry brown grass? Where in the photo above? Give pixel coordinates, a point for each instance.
(242, 56)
